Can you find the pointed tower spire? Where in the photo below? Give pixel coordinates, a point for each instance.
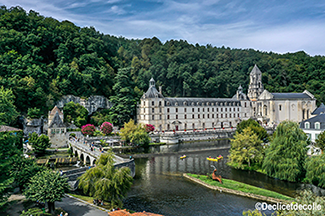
(255, 86)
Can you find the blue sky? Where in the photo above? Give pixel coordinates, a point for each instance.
(266, 25)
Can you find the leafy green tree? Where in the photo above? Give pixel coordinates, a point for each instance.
(23, 169)
(47, 186)
(315, 170)
(75, 112)
(8, 113)
(320, 141)
(39, 143)
(34, 113)
(286, 154)
(98, 118)
(255, 126)
(124, 99)
(246, 149)
(136, 134)
(34, 212)
(105, 182)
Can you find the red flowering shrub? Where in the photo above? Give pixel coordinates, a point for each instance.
(106, 128)
(88, 129)
(149, 128)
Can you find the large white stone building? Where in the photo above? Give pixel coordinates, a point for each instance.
(168, 114)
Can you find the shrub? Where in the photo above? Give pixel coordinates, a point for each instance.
(106, 128)
(88, 129)
(34, 113)
(73, 134)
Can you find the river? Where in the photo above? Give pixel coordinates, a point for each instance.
(159, 187)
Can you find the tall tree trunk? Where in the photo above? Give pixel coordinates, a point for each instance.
(51, 207)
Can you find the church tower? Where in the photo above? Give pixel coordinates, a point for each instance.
(255, 85)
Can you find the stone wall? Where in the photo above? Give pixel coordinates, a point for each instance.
(92, 104)
(32, 125)
(59, 140)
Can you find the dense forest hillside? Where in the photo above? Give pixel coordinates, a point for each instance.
(42, 59)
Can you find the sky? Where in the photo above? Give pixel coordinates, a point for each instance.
(279, 26)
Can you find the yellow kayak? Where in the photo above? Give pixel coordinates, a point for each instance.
(182, 157)
(212, 159)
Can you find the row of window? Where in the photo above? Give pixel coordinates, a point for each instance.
(198, 110)
(198, 116)
(54, 131)
(316, 125)
(195, 126)
(167, 103)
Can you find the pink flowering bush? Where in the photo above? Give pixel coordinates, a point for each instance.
(149, 128)
(106, 128)
(88, 129)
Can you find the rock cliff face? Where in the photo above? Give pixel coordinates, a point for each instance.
(32, 125)
(91, 104)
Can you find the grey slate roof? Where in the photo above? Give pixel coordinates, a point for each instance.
(152, 93)
(319, 118)
(201, 101)
(57, 121)
(5, 128)
(255, 70)
(290, 95)
(319, 110)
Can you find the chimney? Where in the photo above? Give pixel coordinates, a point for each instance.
(160, 89)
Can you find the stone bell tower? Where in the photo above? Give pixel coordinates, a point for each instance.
(255, 85)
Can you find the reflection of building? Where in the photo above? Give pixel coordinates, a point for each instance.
(199, 113)
(56, 128)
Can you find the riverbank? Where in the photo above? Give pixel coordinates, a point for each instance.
(238, 188)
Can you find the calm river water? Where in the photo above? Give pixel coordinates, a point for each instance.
(159, 187)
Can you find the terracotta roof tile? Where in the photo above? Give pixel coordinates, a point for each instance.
(145, 214)
(119, 213)
(54, 110)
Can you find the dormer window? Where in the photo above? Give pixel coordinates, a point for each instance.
(307, 125)
(317, 125)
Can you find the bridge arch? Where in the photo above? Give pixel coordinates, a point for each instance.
(82, 158)
(76, 153)
(87, 160)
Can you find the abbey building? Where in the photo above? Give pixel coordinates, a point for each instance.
(167, 113)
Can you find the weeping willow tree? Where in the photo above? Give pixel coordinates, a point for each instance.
(104, 182)
(285, 157)
(315, 170)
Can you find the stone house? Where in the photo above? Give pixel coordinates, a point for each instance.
(57, 128)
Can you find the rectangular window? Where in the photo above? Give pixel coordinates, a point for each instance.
(280, 107)
(168, 110)
(167, 116)
(203, 109)
(212, 115)
(153, 117)
(184, 109)
(153, 110)
(221, 115)
(225, 109)
(198, 109)
(203, 116)
(144, 110)
(217, 109)
(229, 115)
(198, 116)
(212, 109)
(221, 109)
(208, 116)
(159, 103)
(152, 103)
(176, 109)
(160, 117)
(234, 109)
(238, 109)
(193, 116)
(176, 116)
(226, 115)
(52, 131)
(217, 115)
(192, 109)
(185, 116)
(208, 109)
(159, 109)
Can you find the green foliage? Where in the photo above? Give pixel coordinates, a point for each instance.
(105, 182)
(246, 149)
(34, 212)
(320, 141)
(76, 113)
(136, 134)
(47, 186)
(73, 134)
(39, 143)
(285, 157)
(8, 113)
(315, 170)
(34, 113)
(253, 213)
(255, 126)
(98, 118)
(124, 99)
(22, 169)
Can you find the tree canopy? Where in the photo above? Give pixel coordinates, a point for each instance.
(104, 182)
(255, 127)
(76, 113)
(39, 143)
(136, 134)
(47, 186)
(286, 154)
